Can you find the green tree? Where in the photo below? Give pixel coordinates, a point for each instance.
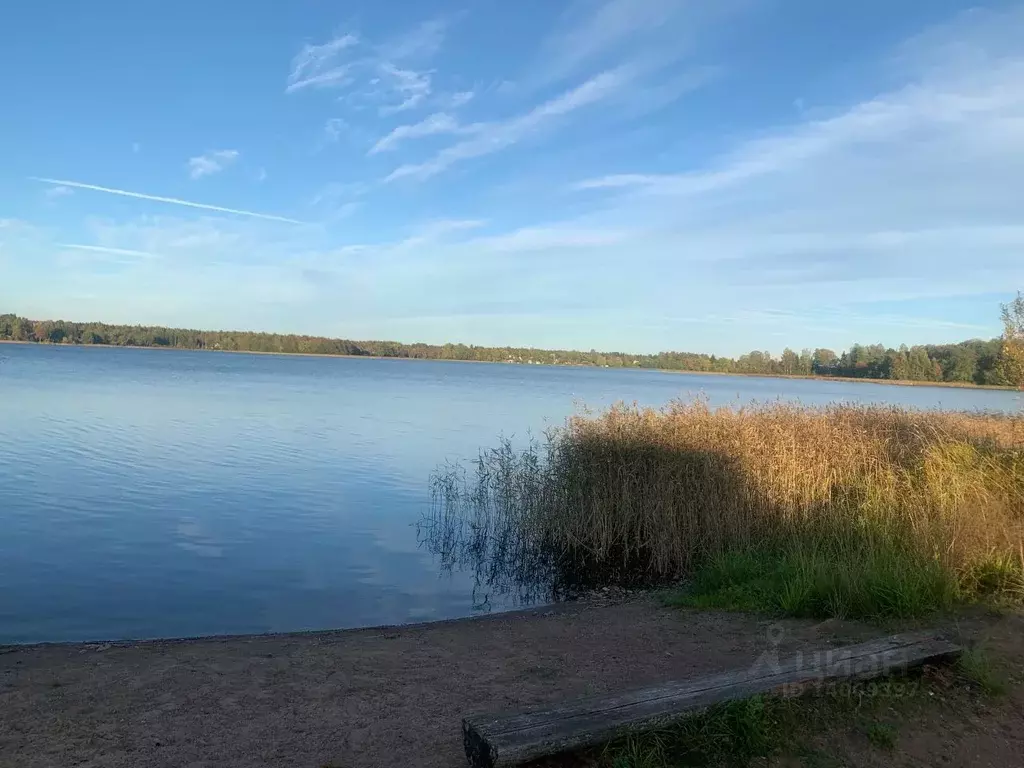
(961, 364)
(806, 362)
(824, 361)
(790, 362)
(920, 366)
(1011, 353)
(898, 364)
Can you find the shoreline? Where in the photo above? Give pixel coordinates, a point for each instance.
(780, 376)
(310, 635)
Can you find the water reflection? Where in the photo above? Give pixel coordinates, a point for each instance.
(480, 524)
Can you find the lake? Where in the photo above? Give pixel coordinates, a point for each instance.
(165, 493)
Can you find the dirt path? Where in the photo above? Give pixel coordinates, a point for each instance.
(375, 697)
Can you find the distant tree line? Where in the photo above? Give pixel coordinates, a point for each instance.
(997, 361)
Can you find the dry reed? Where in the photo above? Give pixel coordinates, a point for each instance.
(641, 495)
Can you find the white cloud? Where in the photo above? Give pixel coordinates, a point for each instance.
(882, 121)
(109, 250)
(169, 200)
(435, 231)
(182, 239)
(460, 99)
(594, 33)
(423, 41)
(494, 137)
(411, 86)
(549, 238)
(345, 210)
(388, 77)
(212, 162)
(319, 66)
(601, 27)
(432, 234)
(439, 123)
(336, 193)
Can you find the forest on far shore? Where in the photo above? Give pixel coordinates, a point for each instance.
(975, 361)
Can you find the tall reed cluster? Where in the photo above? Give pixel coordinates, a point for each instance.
(849, 493)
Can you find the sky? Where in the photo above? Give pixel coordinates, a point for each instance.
(634, 175)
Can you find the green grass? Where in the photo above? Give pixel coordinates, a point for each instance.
(978, 667)
(882, 735)
(749, 732)
(734, 734)
(857, 580)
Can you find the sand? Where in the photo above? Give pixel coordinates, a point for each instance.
(395, 696)
(371, 697)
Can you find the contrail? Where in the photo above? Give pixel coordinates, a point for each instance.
(171, 200)
(105, 249)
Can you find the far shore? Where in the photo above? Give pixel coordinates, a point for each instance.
(803, 377)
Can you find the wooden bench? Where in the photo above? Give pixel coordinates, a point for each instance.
(504, 740)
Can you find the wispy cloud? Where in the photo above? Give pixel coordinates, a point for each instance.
(388, 76)
(345, 210)
(890, 194)
(436, 230)
(597, 28)
(550, 238)
(881, 120)
(212, 162)
(423, 41)
(337, 193)
(169, 200)
(106, 249)
(460, 99)
(439, 123)
(494, 137)
(182, 240)
(320, 66)
(413, 87)
(428, 236)
(594, 33)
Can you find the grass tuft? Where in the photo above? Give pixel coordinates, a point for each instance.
(882, 735)
(978, 667)
(733, 734)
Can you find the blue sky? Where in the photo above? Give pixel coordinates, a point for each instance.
(612, 174)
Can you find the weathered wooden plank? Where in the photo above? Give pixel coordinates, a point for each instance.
(503, 740)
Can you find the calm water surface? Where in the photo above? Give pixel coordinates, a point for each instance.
(157, 493)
